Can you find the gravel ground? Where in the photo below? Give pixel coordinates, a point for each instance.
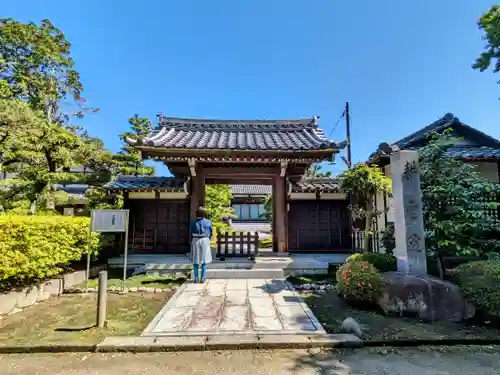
(428, 361)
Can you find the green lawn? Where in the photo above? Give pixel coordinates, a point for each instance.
(71, 319)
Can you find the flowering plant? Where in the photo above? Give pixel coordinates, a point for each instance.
(360, 282)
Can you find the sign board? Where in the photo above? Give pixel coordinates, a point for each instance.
(109, 220)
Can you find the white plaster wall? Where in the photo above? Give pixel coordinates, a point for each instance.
(488, 170)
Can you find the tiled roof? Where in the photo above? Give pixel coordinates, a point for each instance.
(251, 189)
(131, 183)
(473, 152)
(412, 141)
(325, 185)
(78, 189)
(274, 135)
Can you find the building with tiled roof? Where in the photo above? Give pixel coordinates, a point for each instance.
(256, 157)
(474, 147)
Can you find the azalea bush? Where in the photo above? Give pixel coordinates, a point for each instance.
(360, 281)
(33, 248)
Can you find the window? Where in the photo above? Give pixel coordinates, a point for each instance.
(237, 210)
(254, 211)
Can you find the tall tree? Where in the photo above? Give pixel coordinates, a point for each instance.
(363, 183)
(129, 158)
(41, 91)
(38, 153)
(456, 201)
(489, 23)
(36, 67)
(315, 171)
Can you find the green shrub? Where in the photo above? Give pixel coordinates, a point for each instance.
(359, 282)
(382, 262)
(388, 239)
(480, 284)
(37, 247)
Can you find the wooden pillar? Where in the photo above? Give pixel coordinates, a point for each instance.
(197, 191)
(279, 214)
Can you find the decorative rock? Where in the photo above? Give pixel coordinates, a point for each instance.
(306, 286)
(427, 297)
(150, 290)
(166, 290)
(158, 290)
(132, 290)
(322, 287)
(350, 325)
(142, 289)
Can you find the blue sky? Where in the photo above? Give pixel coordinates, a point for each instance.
(400, 64)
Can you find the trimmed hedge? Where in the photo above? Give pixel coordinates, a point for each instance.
(381, 261)
(387, 262)
(33, 248)
(480, 283)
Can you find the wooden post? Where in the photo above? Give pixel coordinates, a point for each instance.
(242, 243)
(256, 246)
(102, 298)
(279, 201)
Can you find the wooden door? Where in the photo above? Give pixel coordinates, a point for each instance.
(318, 225)
(159, 226)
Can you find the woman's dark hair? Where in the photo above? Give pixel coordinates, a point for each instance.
(201, 212)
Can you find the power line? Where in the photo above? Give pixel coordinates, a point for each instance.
(337, 123)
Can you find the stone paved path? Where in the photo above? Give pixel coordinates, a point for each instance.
(235, 307)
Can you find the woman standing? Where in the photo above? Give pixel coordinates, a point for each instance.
(201, 233)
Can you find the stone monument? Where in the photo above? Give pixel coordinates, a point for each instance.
(408, 217)
(410, 290)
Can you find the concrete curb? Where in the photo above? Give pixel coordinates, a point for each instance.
(144, 344)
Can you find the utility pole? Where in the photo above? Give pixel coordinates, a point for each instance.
(348, 134)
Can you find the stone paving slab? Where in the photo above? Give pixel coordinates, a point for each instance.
(235, 307)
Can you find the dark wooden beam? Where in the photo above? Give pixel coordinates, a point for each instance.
(225, 172)
(238, 181)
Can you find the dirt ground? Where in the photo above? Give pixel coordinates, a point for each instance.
(331, 310)
(429, 361)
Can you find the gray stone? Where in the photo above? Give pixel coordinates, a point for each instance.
(150, 290)
(158, 290)
(306, 286)
(132, 290)
(350, 325)
(142, 289)
(408, 216)
(426, 297)
(7, 302)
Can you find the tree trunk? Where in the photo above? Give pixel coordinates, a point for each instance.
(33, 208)
(368, 230)
(440, 265)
